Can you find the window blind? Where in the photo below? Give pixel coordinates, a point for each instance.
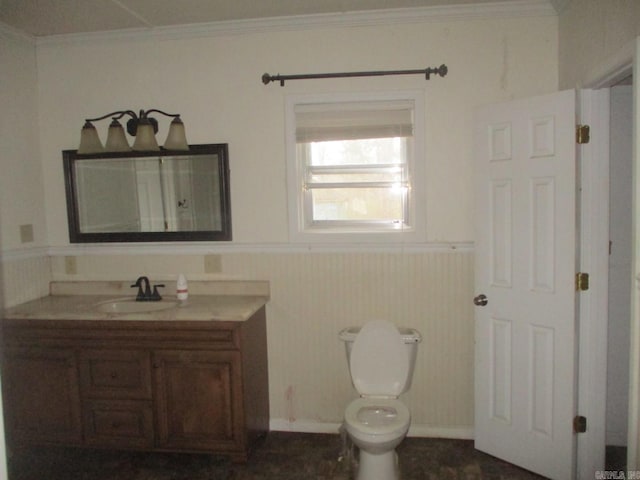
(350, 121)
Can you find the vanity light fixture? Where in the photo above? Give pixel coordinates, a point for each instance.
(141, 126)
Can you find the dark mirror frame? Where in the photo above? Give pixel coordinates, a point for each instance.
(224, 234)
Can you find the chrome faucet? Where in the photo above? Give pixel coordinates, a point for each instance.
(145, 295)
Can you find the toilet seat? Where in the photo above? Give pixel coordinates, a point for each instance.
(378, 416)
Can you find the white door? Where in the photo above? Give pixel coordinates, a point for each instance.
(525, 282)
(150, 201)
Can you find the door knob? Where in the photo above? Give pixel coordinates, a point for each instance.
(481, 300)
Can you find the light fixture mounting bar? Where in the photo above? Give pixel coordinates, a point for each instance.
(116, 115)
(155, 110)
(442, 70)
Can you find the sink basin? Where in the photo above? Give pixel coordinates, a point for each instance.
(129, 305)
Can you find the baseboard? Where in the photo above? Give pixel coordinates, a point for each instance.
(429, 431)
(303, 426)
(417, 430)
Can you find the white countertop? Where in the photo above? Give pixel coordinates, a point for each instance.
(227, 301)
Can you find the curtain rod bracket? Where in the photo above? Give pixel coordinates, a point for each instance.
(442, 71)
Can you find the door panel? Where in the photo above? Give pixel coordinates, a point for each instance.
(525, 265)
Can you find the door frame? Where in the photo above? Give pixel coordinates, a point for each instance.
(593, 252)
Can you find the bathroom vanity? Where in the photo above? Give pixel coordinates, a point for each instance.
(190, 377)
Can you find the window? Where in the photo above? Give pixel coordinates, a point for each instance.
(355, 166)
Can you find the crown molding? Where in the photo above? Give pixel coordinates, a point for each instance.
(560, 5)
(11, 33)
(513, 8)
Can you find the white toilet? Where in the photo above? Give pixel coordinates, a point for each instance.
(381, 361)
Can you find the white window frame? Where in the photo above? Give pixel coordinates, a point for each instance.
(298, 198)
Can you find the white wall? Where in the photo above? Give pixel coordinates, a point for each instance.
(214, 81)
(24, 264)
(21, 181)
(591, 33)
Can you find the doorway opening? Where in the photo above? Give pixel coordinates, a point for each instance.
(620, 272)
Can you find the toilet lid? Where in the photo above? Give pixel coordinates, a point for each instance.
(379, 360)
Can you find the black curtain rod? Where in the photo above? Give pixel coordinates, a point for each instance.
(441, 70)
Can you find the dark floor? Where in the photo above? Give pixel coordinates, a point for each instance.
(280, 456)
(616, 458)
(295, 456)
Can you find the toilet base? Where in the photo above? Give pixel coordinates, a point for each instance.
(383, 466)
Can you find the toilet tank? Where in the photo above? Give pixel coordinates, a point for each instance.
(411, 339)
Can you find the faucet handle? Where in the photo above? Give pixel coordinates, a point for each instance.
(155, 296)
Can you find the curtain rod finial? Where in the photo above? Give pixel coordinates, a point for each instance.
(442, 70)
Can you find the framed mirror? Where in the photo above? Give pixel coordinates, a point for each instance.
(161, 196)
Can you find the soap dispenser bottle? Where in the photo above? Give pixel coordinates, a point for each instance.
(182, 291)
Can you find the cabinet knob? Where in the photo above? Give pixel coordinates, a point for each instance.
(114, 375)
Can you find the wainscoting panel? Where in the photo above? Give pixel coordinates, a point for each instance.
(316, 294)
(24, 277)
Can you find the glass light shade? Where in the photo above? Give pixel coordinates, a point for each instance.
(145, 138)
(116, 139)
(176, 138)
(89, 140)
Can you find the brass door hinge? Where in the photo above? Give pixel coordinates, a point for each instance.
(579, 424)
(582, 134)
(582, 281)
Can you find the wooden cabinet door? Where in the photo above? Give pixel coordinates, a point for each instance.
(198, 403)
(40, 388)
(115, 373)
